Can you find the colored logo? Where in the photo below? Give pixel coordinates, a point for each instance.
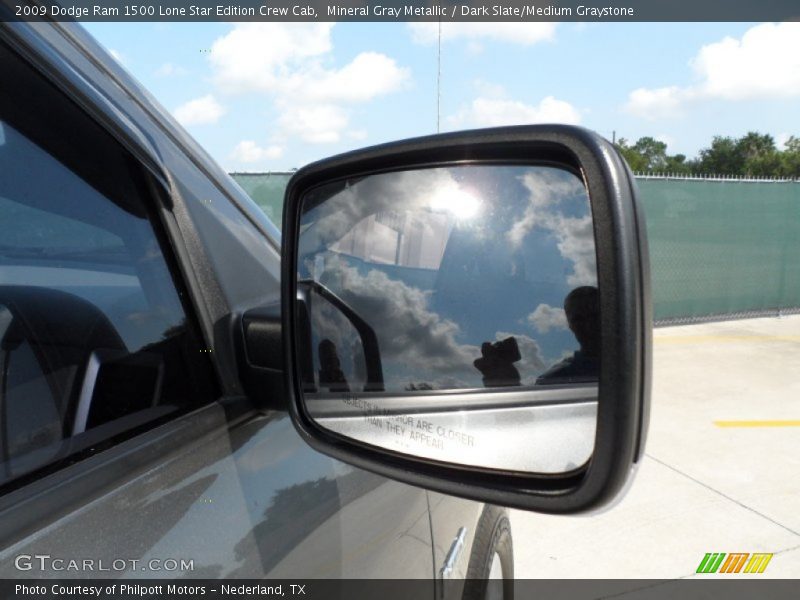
(736, 562)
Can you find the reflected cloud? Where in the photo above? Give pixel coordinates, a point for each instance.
(532, 362)
(410, 333)
(547, 317)
(549, 188)
(443, 261)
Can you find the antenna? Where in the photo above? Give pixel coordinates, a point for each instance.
(439, 77)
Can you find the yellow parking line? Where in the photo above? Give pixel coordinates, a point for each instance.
(774, 423)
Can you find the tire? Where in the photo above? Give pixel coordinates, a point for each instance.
(491, 548)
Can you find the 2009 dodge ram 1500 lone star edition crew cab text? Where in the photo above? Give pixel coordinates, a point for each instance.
(186, 391)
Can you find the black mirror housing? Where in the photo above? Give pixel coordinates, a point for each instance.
(625, 305)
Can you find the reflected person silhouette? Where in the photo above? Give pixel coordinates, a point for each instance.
(497, 363)
(582, 308)
(331, 375)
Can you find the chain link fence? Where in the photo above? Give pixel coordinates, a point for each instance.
(266, 189)
(722, 248)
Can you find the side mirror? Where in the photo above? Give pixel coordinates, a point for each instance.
(470, 313)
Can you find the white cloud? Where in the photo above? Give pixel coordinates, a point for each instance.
(314, 123)
(200, 111)
(658, 103)
(492, 112)
(546, 317)
(257, 56)
(781, 139)
(487, 89)
(525, 34)
(763, 64)
(169, 69)
(247, 151)
(291, 63)
(368, 76)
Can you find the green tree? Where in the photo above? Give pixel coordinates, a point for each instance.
(650, 155)
(754, 145)
(636, 161)
(724, 157)
(765, 165)
(790, 158)
(653, 151)
(759, 155)
(752, 155)
(677, 163)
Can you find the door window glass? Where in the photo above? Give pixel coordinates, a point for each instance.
(94, 338)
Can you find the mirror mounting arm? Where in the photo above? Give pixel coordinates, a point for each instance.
(369, 340)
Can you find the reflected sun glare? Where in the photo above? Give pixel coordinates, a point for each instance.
(461, 204)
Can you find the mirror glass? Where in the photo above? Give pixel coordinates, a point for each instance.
(453, 313)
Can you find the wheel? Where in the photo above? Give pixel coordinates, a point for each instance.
(492, 558)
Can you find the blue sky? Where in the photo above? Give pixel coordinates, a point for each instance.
(274, 96)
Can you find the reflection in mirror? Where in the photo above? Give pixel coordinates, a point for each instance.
(453, 314)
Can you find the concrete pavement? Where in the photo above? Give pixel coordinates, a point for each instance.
(722, 467)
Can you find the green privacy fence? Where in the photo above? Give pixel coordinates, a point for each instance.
(718, 248)
(267, 191)
(722, 247)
